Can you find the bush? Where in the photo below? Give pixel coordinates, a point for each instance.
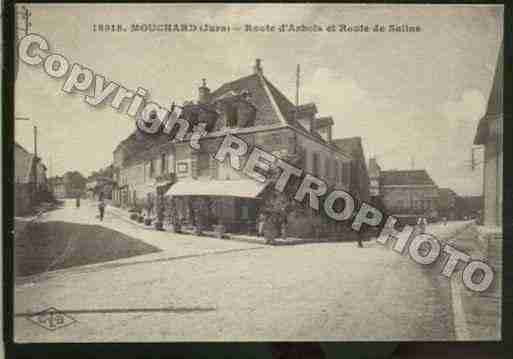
(134, 216)
(147, 221)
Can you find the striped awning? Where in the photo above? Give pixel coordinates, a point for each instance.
(230, 188)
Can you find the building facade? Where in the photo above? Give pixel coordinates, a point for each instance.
(359, 183)
(409, 194)
(30, 180)
(57, 187)
(489, 135)
(251, 108)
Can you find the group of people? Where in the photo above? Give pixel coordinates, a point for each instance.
(272, 225)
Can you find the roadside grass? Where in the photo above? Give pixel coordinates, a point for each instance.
(45, 246)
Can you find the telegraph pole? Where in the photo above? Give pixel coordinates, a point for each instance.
(36, 159)
(298, 74)
(35, 141)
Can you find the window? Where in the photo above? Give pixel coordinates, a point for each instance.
(163, 164)
(152, 169)
(302, 157)
(346, 173)
(315, 164)
(203, 163)
(327, 166)
(171, 163)
(231, 116)
(244, 213)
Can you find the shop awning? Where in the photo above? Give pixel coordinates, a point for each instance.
(236, 188)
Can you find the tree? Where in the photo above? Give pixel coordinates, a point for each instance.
(74, 182)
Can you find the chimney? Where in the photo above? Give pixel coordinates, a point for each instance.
(204, 92)
(258, 68)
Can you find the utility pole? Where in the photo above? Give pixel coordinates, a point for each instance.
(298, 74)
(36, 158)
(35, 141)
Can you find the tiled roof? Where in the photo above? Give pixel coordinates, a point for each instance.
(273, 107)
(139, 142)
(446, 192)
(266, 114)
(406, 177)
(350, 145)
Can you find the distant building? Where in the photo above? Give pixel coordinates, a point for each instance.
(489, 134)
(30, 180)
(99, 187)
(70, 185)
(409, 193)
(447, 204)
(100, 184)
(57, 187)
(253, 109)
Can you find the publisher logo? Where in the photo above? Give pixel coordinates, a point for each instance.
(52, 319)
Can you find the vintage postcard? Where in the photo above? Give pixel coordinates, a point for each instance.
(257, 172)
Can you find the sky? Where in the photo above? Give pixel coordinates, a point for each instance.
(415, 98)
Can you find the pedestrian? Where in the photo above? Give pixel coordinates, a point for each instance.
(359, 239)
(424, 224)
(77, 202)
(418, 226)
(261, 221)
(101, 207)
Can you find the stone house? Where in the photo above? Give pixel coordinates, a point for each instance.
(251, 108)
(489, 134)
(57, 187)
(29, 179)
(408, 194)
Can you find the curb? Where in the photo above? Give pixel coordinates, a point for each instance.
(461, 328)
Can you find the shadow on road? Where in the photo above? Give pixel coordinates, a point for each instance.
(41, 247)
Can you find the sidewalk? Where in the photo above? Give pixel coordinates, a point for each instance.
(478, 315)
(124, 215)
(172, 245)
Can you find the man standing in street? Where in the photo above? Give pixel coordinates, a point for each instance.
(101, 207)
